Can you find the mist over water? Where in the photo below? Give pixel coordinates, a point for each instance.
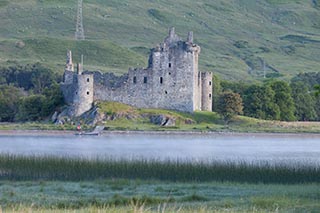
(284, 149)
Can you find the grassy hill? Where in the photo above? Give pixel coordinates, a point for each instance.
(239, 39)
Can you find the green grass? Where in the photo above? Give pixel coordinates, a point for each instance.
(75, 169)
(139, 25)
(150, 196)
(130, 118)
(97, 54)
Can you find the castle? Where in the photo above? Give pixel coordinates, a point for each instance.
(171, 81)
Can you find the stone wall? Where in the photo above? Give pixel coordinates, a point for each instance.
(171, 81)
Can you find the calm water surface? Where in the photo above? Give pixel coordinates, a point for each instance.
(253, 148)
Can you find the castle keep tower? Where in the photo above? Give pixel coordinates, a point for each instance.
(172, 80)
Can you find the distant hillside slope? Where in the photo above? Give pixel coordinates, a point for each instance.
(240, 39)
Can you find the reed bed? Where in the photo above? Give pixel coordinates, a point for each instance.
(22, 168)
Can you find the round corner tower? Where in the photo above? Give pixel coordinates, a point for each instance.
(206, 91)
(83, 97)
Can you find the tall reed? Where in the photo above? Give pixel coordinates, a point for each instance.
(78, 169)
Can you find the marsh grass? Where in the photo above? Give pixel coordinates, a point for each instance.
(77, 169)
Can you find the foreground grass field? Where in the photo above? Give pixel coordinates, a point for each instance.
(119, 195)
(50, 184)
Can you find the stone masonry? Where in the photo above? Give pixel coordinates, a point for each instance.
(171, 81)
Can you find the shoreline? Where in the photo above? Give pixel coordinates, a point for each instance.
(131, 132)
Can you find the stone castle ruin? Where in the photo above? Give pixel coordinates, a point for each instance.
(171, 81)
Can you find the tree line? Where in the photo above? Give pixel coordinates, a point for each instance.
(28, 93)
(32, 93)
(296, 100)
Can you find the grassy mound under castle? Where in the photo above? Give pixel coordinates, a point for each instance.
(121, 117)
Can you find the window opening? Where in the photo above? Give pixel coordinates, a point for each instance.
(170, 65)
(88, 93)
(145, 80)
(166, 92)
(161, 80)
(210, 96)
(210, 83)
(88, 79)
(134, 79)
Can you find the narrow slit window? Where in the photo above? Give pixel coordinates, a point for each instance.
(210, 83)
(145, 80)
(134, 79)
(210, 96)
(88, 79)
(170, 65)
(161, 80)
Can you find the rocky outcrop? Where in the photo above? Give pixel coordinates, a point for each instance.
(163, 120)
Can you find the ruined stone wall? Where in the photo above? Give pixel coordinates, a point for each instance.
(68, 77)
(171, 81)
(129, 89)
(206, 94)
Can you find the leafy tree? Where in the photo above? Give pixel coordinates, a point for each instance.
(284, 100)
(259, 102)
(216, 89)
(9, 99)
(310, 79)
(32, 108)
(54, 99)
(304, 101)
(317, 88)
(41, 78)
(30, 77)
(236, 87)
(229, 105)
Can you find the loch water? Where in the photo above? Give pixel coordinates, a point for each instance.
(276, 148)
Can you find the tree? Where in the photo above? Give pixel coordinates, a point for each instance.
(54, 99)
(41, 78)
(259, 103)
(284, 100)
(216, 90)
(317, 88)
(9, 99)
(304, 101)
(32, 108)
(34, 77)
(229, 105)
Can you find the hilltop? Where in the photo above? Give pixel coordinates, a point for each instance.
(239, 39)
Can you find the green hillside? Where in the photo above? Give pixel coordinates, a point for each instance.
(239, 39)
